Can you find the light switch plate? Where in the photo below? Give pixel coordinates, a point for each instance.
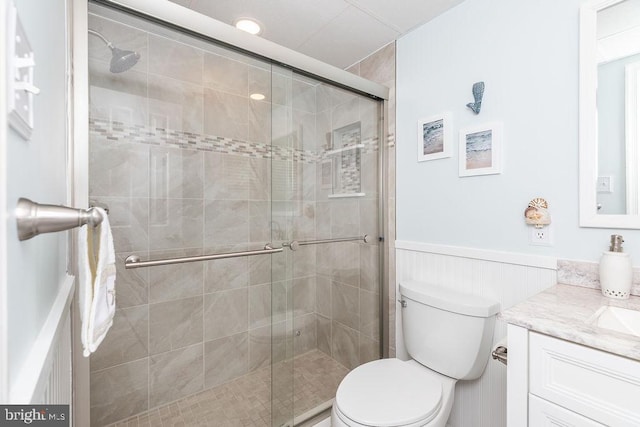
(605, 184)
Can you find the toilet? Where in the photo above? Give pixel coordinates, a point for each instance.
(448, 335)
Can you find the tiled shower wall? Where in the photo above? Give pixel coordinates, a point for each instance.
(184, 159)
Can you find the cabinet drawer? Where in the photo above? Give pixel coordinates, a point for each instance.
(598, 385)
(546, 414)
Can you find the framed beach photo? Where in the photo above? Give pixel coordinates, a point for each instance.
(480, 151)
(434, 137)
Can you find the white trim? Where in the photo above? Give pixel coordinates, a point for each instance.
(588, 135)
(33, 378)
(209, 27)
(517, 376)
(632, 131)
(4, 347)
(549, 263)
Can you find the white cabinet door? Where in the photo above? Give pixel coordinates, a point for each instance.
(602, 386)
(546, 414)
(35, 289)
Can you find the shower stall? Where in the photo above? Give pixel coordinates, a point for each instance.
(255, 190)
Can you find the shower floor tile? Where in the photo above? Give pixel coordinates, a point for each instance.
(246, 401)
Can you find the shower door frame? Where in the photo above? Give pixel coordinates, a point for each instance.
(195, 24)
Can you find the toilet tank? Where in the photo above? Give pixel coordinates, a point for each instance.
(447, 331)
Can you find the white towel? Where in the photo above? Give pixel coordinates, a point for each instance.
(97, 279)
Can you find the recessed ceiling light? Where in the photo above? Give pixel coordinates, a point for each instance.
(249, 25)
(257, 96)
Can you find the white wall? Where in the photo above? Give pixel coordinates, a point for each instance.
(527, 55)
(35, 169)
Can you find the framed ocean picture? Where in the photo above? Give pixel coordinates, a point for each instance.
(434, 137)
(480, 150)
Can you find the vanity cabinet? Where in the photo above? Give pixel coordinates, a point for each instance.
(553, 382)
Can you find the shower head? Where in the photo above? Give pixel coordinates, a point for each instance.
(121, 60)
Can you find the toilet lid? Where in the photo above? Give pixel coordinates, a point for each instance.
(389, 393)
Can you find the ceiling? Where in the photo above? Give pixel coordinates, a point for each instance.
(338, 32)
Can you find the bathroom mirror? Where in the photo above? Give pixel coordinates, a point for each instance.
(610, 114)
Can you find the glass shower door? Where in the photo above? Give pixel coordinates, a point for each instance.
(325, 198)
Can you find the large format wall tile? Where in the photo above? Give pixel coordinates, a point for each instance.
(175, 173)
(133, 284)
(370, 268)
(226, 114)
(369, 314)
(305, 336)
(259, 223)
(227, 177)
(323, 296)
(260, 82)
(175, 374)
(119, 392)
(345, 305)
(304, 94)
(118, 169)
(225, 313)
(305, 259)
(175, 223)
(369, 349)
(174, 59)
(323, 332)
(259, 347)
(304, 296)
(121, 97)
(259, 122)
(225, 74)
(226, 222)
(175, 324)
(171, 282)
(126, 341)
(344, 345)
(267, 303)
(225, 359)
(225, 274)
(175, 105)
(345, 217)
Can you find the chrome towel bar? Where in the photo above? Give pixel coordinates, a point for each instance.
(133, 261)
(34, 218)
(294, 244)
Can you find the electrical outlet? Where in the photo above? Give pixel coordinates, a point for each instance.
(540, 236)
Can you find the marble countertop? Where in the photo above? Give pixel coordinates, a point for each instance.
(567, 312)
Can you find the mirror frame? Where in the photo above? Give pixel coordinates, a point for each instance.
(588, 135)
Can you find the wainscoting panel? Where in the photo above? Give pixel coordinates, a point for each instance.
(505, 277)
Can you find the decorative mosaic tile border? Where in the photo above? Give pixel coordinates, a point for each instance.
(586, 274)
(118, 131)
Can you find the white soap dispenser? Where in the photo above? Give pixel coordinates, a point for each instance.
(616, 271)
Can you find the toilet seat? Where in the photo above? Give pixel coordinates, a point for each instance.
(389, 393)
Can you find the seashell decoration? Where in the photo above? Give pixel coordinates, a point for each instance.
(537, 213)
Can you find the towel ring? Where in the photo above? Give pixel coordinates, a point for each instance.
(34, 218)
